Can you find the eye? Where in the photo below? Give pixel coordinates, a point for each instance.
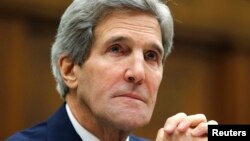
(151, 56)
(115, 49)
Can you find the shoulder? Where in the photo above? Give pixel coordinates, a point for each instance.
(36, 133)
(49, 130)
(135, 138)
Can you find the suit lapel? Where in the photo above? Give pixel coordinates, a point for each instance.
(60, 128)
(135, 138)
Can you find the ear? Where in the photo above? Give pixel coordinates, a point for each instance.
(66, 66)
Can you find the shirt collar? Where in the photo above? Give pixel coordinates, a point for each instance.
(81, 131)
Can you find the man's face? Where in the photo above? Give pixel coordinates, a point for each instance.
(120, 79)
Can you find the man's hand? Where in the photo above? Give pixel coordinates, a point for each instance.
(181, 127)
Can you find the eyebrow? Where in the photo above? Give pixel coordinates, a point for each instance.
(117, 39)
(120, 38)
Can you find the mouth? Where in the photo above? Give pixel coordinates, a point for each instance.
(132, 96)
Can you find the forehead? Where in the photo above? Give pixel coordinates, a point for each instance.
(132, 21)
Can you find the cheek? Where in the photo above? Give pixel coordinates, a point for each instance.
(154, 83)
(101, 81)
(100, 77)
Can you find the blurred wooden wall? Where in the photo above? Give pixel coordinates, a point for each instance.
(208, 71)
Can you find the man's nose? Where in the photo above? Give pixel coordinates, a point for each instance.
(135, 71)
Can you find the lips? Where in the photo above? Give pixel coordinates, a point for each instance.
(132, 96)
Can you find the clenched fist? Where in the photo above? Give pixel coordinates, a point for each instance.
(181, 127)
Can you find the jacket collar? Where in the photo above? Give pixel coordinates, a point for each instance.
(60, 128)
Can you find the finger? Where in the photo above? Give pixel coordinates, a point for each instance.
(191, 121)
(173, 122)
(212, 122)
(202, 128)
(177, 136)
(161, 135)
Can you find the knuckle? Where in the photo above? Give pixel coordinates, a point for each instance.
(182, 114)
(177, 116)
(202, 116)
(169, 120)
(212, 122)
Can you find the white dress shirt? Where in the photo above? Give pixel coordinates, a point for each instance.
(84, 134)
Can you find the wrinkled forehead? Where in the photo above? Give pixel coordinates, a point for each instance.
(136, 20)
(124, 10)
(139, 18)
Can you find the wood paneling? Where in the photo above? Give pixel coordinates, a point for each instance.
(27, 84)
(36, 8)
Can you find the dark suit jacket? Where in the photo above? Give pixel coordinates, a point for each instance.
(57, 128)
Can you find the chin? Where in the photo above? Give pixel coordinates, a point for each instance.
(129, 123)
(132, 126)
(126, 118)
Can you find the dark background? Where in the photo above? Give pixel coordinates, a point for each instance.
(207, 72)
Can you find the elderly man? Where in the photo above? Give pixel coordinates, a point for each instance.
(108, 60)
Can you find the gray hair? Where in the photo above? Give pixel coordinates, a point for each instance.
(76, 30)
